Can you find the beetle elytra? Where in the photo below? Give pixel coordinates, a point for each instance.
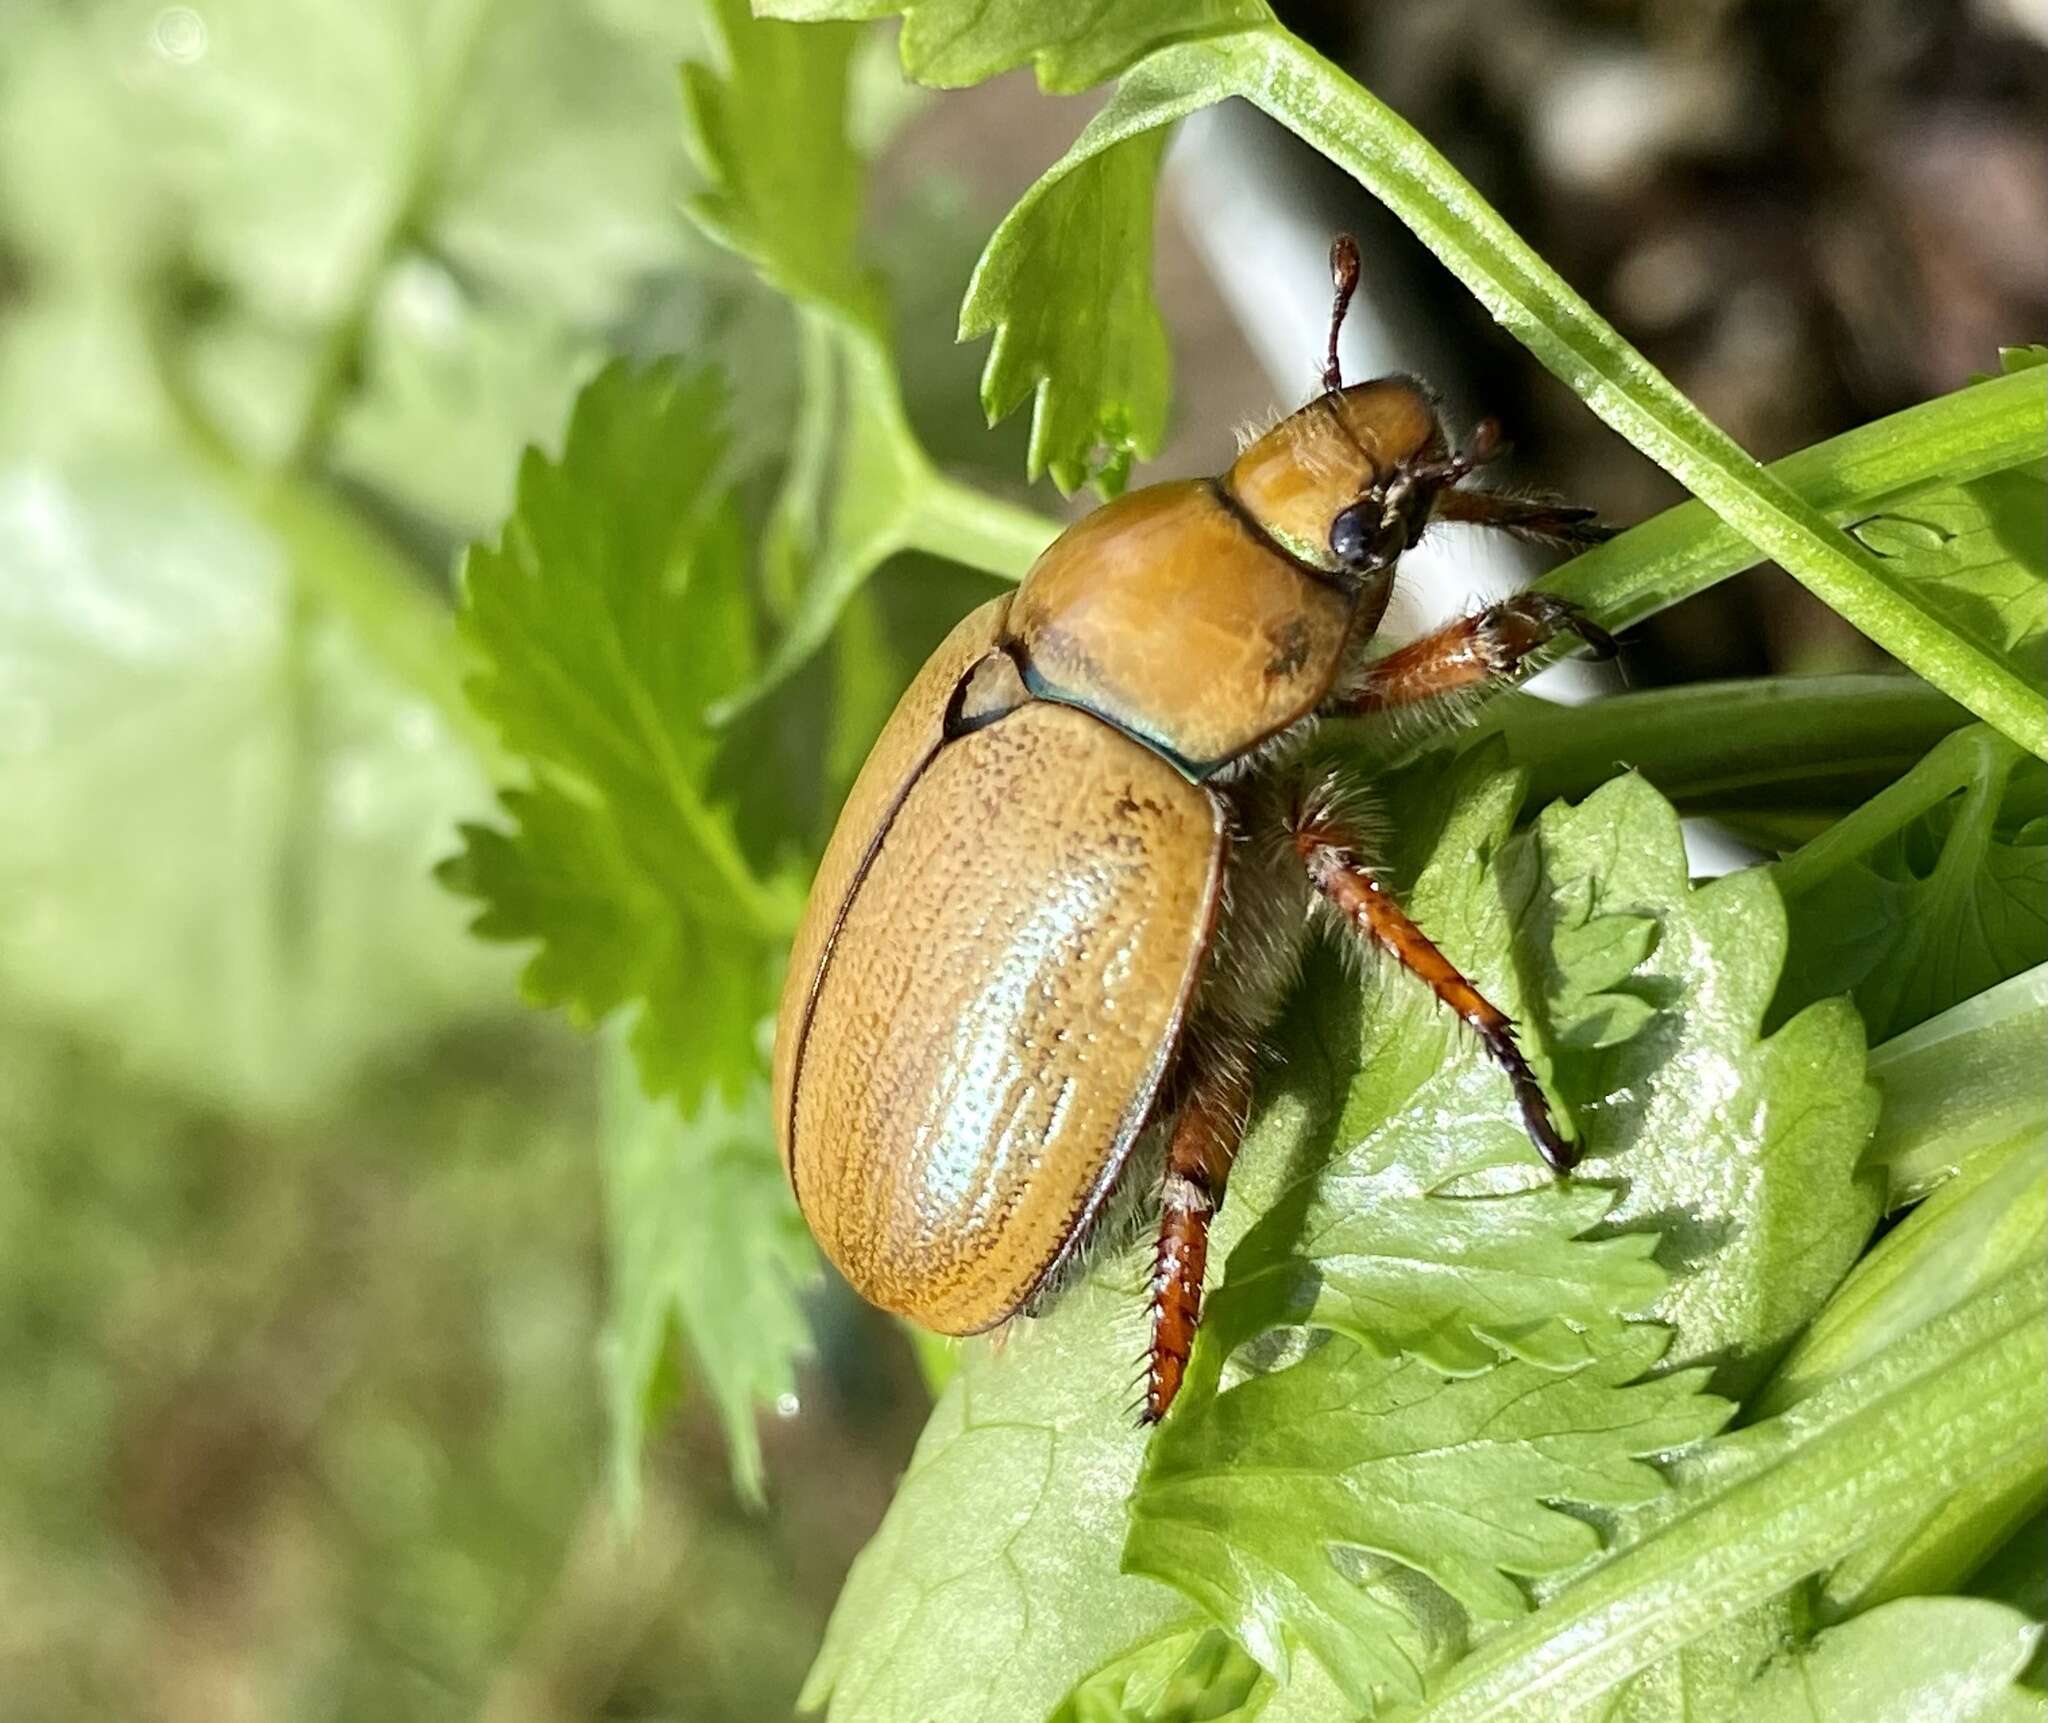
(1070, 887)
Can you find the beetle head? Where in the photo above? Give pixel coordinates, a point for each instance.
(1347, 483)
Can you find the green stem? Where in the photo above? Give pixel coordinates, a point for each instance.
(338, 362)
(1318, 102)
(1714, 740)
(1986, 428)
(1961, 1083)
(968, 526)
(375, 589)
(1975, 756)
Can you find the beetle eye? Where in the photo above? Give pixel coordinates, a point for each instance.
(1352, 533)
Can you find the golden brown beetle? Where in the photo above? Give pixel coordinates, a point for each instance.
(1070, 886)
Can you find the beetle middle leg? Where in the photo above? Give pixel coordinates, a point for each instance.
(1468, 655)
(1330, 855)
(1206, 1134)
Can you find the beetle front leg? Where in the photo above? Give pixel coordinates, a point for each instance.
(1534, 518)
(1205, 1138)
(1468, 655)
(1331, 858)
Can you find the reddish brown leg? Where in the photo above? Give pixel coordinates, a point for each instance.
(1205, 1139)
(1336, 871)
(1493, 646)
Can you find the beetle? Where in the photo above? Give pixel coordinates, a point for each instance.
(1072, 883)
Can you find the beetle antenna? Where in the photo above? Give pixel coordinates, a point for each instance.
(1344, 277)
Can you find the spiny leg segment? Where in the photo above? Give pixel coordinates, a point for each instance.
(1468, 654)
(1206, 1134)
(1335, 870)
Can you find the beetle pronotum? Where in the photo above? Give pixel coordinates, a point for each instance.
(1074, 880)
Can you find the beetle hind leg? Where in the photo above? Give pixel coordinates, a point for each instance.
(1329, 853)
(1206, 1134)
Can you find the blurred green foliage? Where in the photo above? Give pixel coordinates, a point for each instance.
(303, 1278)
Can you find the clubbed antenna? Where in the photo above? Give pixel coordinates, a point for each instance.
(1344, 277)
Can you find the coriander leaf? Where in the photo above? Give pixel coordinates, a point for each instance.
(285, 160)
(612, 609)
(438, 363)
(1741, 1150)
(1763, 1507)
(221, 801)
(1066, 288)
(704, 1236)
(1004, 1533)
(1925, 896)
(1255, 1504)
(1708, 1678)
(1376, 1250)
(769, 132)
(1919, 1658)
(1183, 1675)
(1071, 43)
(1977, 556)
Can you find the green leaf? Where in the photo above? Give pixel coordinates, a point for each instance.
(1963, 1084)
(1974, 555)
(1066, 288)
(611, 610)
(1915, 902)
(222, 800)
(437, 364)
(1772, 1503)
(1071, 43)
(1924, 1657)
(705, 1238)
(1186, 1675)
(1741, 1150)
(1261, 1504)
(292, 161)
(1004, 1533)
(769, 132)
